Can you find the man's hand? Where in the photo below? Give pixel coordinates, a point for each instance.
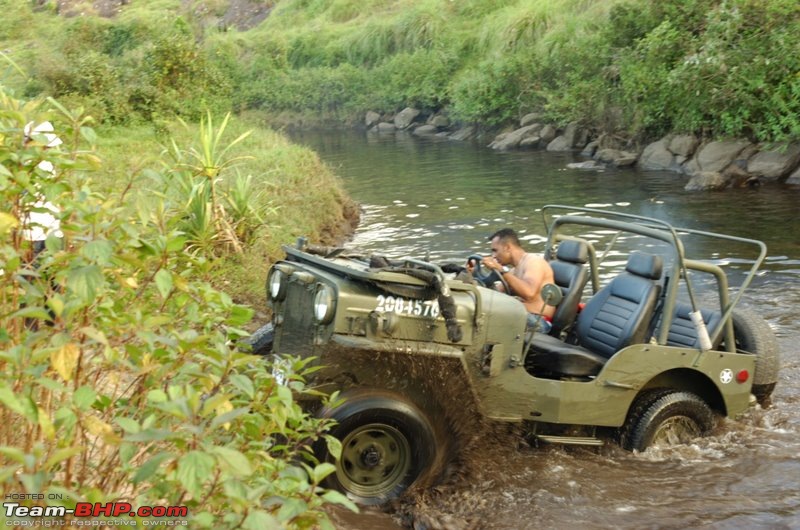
(492, 263)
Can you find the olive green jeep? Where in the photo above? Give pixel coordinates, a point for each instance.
(414, 346)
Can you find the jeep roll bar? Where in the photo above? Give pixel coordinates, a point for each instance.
(662, 231)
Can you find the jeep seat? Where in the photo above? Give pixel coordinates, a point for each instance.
(571, 275)
(682, 331)
(617, 316)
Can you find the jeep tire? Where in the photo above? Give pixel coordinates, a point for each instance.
(666, 417)
(260, 342)
(753, 335)
(387, 445)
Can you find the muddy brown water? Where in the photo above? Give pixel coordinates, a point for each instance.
(444, 198)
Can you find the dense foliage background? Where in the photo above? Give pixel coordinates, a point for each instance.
(636, 67)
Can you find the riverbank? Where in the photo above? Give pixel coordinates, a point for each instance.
(709, 164)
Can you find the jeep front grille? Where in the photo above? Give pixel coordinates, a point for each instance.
(296, 328)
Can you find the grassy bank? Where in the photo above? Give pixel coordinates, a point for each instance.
(290, 193)
(633, 67)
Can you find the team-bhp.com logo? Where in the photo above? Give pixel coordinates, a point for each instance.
(86, 514)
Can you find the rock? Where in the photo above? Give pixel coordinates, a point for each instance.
(511, 140)
(588, 165)
(606, 155)
(794, 178)
(440, 121)
(529, 119)
(657, 156)
(608, 141)
(716, 156)
(548, 133)
(581, 138)
(772, 165)
(465, 133)
(574, 135)
(590, 148)
(371, 118)
(625, 159)
(616, 157)
(683, 145)
(570, 133)
(531, 141)
(405, 117)
(560, 143)
(384, 127)
(706, 180)
(426, 130)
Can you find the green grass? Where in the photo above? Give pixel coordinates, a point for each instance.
(701, 66)
(295, 193)
(567, 59)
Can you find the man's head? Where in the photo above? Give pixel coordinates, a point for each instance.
(503, 242)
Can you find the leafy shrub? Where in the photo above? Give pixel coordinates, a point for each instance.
(420, 79)
(489, 91)
(121, 379)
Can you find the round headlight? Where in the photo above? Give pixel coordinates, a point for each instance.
(276, 285)
(324, 304)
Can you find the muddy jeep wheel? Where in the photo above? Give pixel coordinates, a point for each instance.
(753, 335)
(260, 342)
(387, 444)
(666, 418)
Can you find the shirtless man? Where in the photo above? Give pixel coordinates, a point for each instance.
(524, 273)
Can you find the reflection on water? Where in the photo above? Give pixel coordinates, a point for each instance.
(445, 198)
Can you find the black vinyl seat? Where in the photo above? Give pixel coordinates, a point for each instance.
(682, 331)
(617, 316)
(570, 275)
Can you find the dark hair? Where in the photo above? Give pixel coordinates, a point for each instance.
(506, 235)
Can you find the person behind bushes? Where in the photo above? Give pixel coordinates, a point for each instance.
(40, 219)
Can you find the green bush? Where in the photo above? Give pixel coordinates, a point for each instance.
(121, 376)
(419, 79)
(488, 93)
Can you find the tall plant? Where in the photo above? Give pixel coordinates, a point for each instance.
(205, 198)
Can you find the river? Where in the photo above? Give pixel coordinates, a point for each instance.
(443, 198)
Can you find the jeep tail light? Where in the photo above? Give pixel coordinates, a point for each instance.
(742, 376)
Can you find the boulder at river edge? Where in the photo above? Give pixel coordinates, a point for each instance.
(426, 130)
(707, 180)
(406, 117)
(658, 156)
(716, 156)
(513, 139)
(710, 164)
(772, 165)
(371, 119)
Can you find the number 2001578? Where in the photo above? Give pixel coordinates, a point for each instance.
(400, 306)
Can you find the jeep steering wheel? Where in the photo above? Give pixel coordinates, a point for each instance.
(486, 277)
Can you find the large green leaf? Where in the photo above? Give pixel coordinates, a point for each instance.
(194, 468)
(85, 282)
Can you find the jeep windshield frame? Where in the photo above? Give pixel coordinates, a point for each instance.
(556, 217)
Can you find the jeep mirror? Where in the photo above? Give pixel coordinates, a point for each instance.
(551, 294)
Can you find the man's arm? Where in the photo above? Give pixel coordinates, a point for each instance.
(530, 285)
